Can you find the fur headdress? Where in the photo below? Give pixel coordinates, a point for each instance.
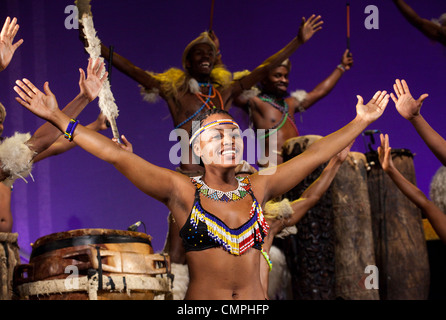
(287, 64)
(202, 38)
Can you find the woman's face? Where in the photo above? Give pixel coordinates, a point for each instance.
(221, 144)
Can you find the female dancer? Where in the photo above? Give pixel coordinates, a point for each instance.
(223, 227)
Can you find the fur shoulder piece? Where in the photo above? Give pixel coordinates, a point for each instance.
(174, 81)
(169, 82)
(16, 157)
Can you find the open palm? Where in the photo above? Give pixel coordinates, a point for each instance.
(384, 153)
(309, 27)
(43, 104)
(91, 85)
(7, 48)
(374, 108)
(406, 105)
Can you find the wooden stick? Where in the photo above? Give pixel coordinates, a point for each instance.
(110, 63)
(211, 22)
(112, 121)
(348, 26)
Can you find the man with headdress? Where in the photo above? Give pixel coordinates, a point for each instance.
(204, 83)
(272, 108)
(434, 29)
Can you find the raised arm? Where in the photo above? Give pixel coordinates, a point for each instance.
(7, 47)
(428, 28)
(276, 181)
(409, 108)
(436, 217)
(137, 170)
(89, 86)
(306, 30)
(124, 65)
(325, 87)
(62, 145)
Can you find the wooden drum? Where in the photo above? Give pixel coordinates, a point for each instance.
(310, 253)
(93, 264)
(354, 249)
(400, 246)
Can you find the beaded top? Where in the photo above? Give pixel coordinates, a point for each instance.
(203, 230)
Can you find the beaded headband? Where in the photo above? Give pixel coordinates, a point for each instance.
(211, 125)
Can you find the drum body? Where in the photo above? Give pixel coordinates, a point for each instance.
(93, 264)
(310, 253)
(9, 259)
(400, 245)
(354, 249)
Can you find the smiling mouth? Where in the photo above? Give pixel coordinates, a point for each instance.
(205, 65)
(225, 152)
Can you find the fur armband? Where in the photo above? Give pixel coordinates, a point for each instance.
(16, 157)
(150, 96)
(247, 94)
(280, 210)
(300, 96)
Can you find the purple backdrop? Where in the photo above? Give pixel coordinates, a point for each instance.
(76, 190)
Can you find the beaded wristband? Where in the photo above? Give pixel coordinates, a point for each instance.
(341, 67)
(70, 129)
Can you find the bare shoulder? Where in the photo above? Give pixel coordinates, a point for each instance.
(258, 185)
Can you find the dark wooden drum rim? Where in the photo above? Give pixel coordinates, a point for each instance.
(86, 240)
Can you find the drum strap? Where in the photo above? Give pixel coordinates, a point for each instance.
(85, 240)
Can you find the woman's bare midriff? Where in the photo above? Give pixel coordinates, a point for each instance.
(217, 275)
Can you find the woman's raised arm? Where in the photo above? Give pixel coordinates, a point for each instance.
(140, 172)
(275, 181)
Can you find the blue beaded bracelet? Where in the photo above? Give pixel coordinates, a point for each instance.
(70, 129)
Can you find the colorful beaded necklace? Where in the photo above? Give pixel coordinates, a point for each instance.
(212, 93)
(217, 195)
(282, 106)
(235, 241)
(206, 103)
